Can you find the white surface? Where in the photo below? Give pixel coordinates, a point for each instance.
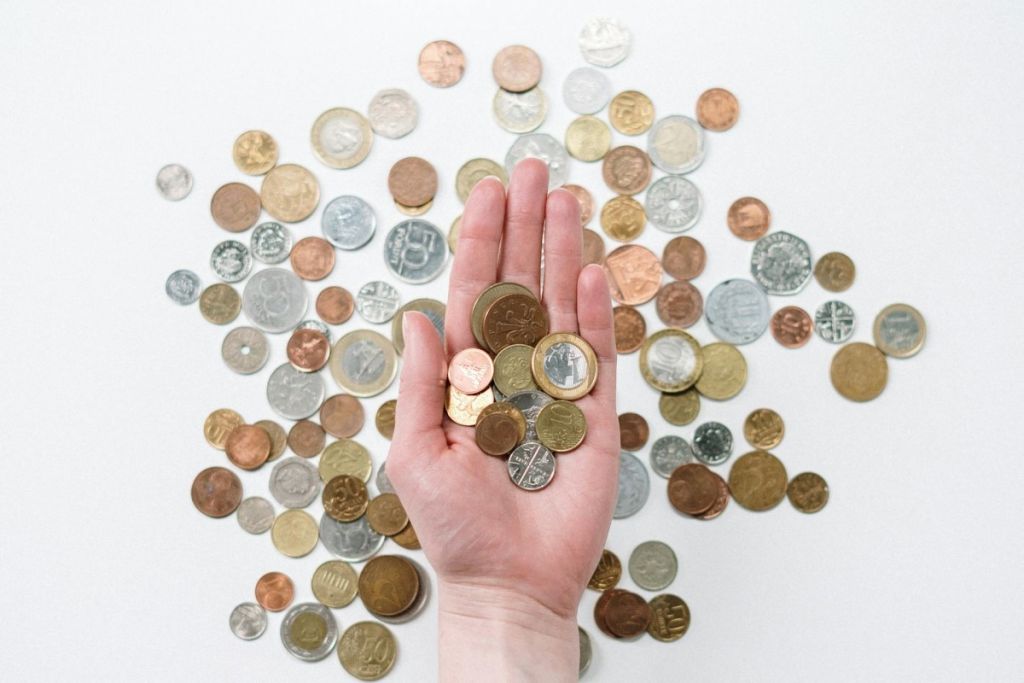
(890, 133)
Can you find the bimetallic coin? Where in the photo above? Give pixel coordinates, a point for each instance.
(586, 651)
(835, 271)
(220, 304)
(676, 144)
(433, 309)
(341, 138)
(653, 565)
(604, 41)
(749, 218)
(294, 533)
(348, 222)
(475, 170)
(364, 363)
(271, 242)
(256, 515)
(182, 287)
(530, 404)
(758, 481)
(245, 350)
(588, 138)
(174, 182)
(737, 311)
(441, 63)
(367, 650)
(216, 492)
(670, 618)
(671, 360)
(633, 273)
(544, 147)
(293, 394)
(899, 331)
(561, 426)
(275, 300)
(564, 366)
(334, 583)
(634, 486)
(859, 371)
(673, 204)
(520, 112)
(235, 207)
(717, 109)
(393, 113)
(351, 541)
(415, 251)
(808, 492)
(309, 631)
(680, 408)
(377, 301)
(254, 152)
(294, 482)
(230, 260)
(712, 443)
(834, 321)
(668, 453)
(248, 621)
(586, 90)
(531, 466)
(781, 263)
(763, 429)
(724, 374)
(607, 572)
(791, 326)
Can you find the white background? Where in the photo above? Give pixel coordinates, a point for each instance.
(891, 133)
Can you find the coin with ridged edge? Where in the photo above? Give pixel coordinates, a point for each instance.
(671, 360)
(564, 366)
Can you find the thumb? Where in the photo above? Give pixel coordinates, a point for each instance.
(420, 409)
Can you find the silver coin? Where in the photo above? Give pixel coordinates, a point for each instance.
(174, 182)
(256, 515)
(586, 90)
(183, 287)
(544, 147)
(293, 394)
(900, 330)
(248, 621)
(668, 453)
(393, 113)
(781, 263)
(604, 41)
(271, 242)
(275, 300)
(351, 541)
(520, 112)
(586, 651)
(317, 325)
(673, 204)
(383, 483)
(377, 301)
(676, 144)
(531, 466)
(737, 311)
(415, 251)
(245, 350)
(294, 482)
(565, 365)
(712, 443)
(834, 321)
(672, 360)
(418, 604)
(529, 403)
(230, 260)
(653, 565)
(329, 635)
(348, 222)
(634, 486)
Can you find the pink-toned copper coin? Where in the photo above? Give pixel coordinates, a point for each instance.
(721, 502)
(593, 247)
(516, 68)
(679, 304)
(471, 370)
(585, 199)
(312, 258)
(630, 329)
(308, 349)
(235, 207)
(335, 305)
(749, 218)
(634, 274)
(216, 492)
(248, 446)
(342, 415)
(626, 169)
(684, 258)
(442, 63)
(717, 109)
(412, 181)
(791, 326)
(274, 591)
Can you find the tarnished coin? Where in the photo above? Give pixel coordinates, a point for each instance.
(630, 329)
(758, 481)
(792, 326)
(512, 369)
(364, 363)
(680, 408)
(679, 304)
(278, 438)
(781, 263)
(275, 300)
(834, 321)
(607, 572)
(463, 408)
(808, 492)
(684, 257)
(676, 144)
(254, 152)
(471, 370)
(670, 618)
(216, 492)
(591, 253)
(308, 350)
(386, 514)
(348, 222)
(484, 301)
(835, 271)
(737, 311)
(564, 366)
(342, 416)
(230, 260)
(388, 585)
(529, 404)
(247, 447)
(367, 649)
(586, 90)
(516, 68)
(514, 318)
(561, 426)
(588, 138)
(255, 515)
(385, 418)
(245, 350)
(692, 488)
(544, 147)
(671, 360)
(668, 453)
(345, 498)
(653, 565)
(306, 439)
(334, 583)
(248, 621)
(335, 304)
(622, 218)
(290, 193)
(531, 466)
(764, 429)
(293, 394)
(309, 631)
(377, 301)
(235, 207)
(712, 443)
(182, 287)
(717, 109)
(631, 112)
(634, 486)
(633, 431)
(294, 482)
(725, 372)
(604, 41)
(351, 541)
(218, 426)
(174, 182)
(475, 170)
(859, 371)
(341, 137)
(441, 63)
(415, 251)
(520, 112)
(412, 181)
(271, 242)
(393, 113)
(432, 308)
(346, 456)
(749, 218)
(627, 614)
(586, 651)
(220, 304)
(274, 591)
(294, 533)
(626, 170)
(899, 331)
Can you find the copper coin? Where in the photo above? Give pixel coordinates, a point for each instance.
(407, 538)
(412, 181)
(717, 109)
(601, 611)
(684, 258)
(585, 199)
(235, 207)
(607, 572)
(634, 274)
(593, 248)
(626, 169)
(385, 418)
(749, 218)
(216, 492)
(679, 304)
(514, 319)
(792, 326)
(630, 329)
(471, 370)
(306, 438)
(386, 515)
(308, 349)
(516, 68)
(721, 502)
(248, 446)
(335, 305)
(808, 492)
(633, 431)
(345, 498)
(274, 591)
(441, 63)
(342, 416)
(627, 614)
(692, 488)
(388, 585)
(278, 437)
(312, 258)
(497, 434)
(834, 271)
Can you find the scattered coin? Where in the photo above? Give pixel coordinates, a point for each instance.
(309, 631)
(586, 90)
(758, 480)
(182, 287)
(626, 170)
(724, 374)
(630, 329)
(712, 443)
(220, 304)
(218, 426)
(680, 408)
(634, 274)
(564, 366)
(341, 138)
(348, 222)
(627, 614)
(275, 300)
(393, 113)
(808, 492)
(520, 112)
(306, 439)
(412, 181)
(516, 68)
(275, 591)
(415, 251)
(386, 514)
(607, 573)
(271, 242)
(676, 144)
(351, 541)
(385, 418)
(342, 415)
(588, 138)
(531, 466)
(408, 539)
(382, 481)
(475, 170)
(561, 426)
(544, 147)
(721, 500)
(345, 498)
(668, 453)
(174, 182)
(487, 297)
(653, 565)
(471, 370)
(692, 488)
(859, 371)
(248, 447)
(293, 394)
(308, 350)
(294, 533)
(335, 304)
(834, 321)
(248, 621)
(278, 438)
(345, 456)
(367, 650)
(631, 112)
(674, 204)
(764, 429)
(679, 304)
(586, 201)
(254, 152)
(512, 369)
(388, 585)
(586, 652)
(256, 515)
(835, 271)
(441, 63)
(737, 311)
(634, 486)
(216, 492)
(899, 331)
(684, 257)
(670, 618)
(364, 363)
(717, 109)
(334, 583)
(633, 431)
(671, 360)
(294, 482)
(515, 318)
(604, 41)
(622, 218)
(235, 207)
(245, 350)
(230, 260)
(792, 326)
(781, 263)
(312, 258)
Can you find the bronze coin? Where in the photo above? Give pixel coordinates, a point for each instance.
(593, 247)
(388, 585)
(248, 446)
(386, 515)
(278, 437)
(335, 305)
(407, 538)
(345, 498)
(342, 416)
(441, 63)
(626, 169)
(749, 218)
(274, 591)
(692, 488)
(514, 319)
(721, 502)
(679, 304)
(758, 480)
(835, 271)
(684, 258)
(633, 431)
(308, 349)
(516, 68)
(216, 492)
(791, 326)
(312, 258)
(235, 207)
(412, 181)
(497, 434)
(670, 617)
(808, 492)
(630, 329)
(385, 418)
(607, 572)
(586, 201)
(717, 109)
(601, 611)
(681, 408)
(306, 438)
(634, 274)
(627, 614)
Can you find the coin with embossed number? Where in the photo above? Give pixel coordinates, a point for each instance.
(676, 144)
(348, 222)
(634, 486)
(561, 426)
(334, 583)
(668, 453)
(631, 112)
(367, 650)
(415, 251)
(670, 618)
(671, 360)
(737, 311)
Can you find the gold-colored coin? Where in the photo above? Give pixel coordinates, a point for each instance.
(290, 193)
(681, 408)
(385, 418)
(671, 360)
(294, 533)
(588, 138)
(218, 426)
(367, 650)
(341, 137)
(900, 330)
(413, 210)
(758, 480)
(724, 373)
(220, 303)
(670, 617)
(623, 218)
(607, 572)
(475, 170)
(345, 456)
(335, 583)
(764, 429)
(345, 498)
(364, 363)
(386, 515)
(388, 585)
(631, 112)
(453, 233)
(508, 409)
(308, 631)
(808, 492)
(464, 409)
(278, 437)
(431, 308)
(564, 366)
(859, 371)
(254, 152)
(835, 271)
(512, 372)
(561, 426)
(407, 538)
(484, 301)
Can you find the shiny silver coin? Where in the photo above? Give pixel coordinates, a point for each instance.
(275, 300)
(382, 481)
(348, 222)
(531, 466)
(565, 365)
(737, 311)
(418, 604)
(586, 90)
(377, 301)
(712, 443)
(393, 113)
(293, 394)
(520, 112)
(653, 565)
(586, 651)
(634, 486)
(183, 287)
(668, 453)
(255, 515)
(529, 403)
(174, 182)
(271, 242)
(673, 204)
(544, 147)
(604, 41)
(294, 482)
(834, 321)
(317, 325)
(245, 350)
(231, 261)
(781, 263)
(364, 363)
(248, 621)
(415, 251)
(309, 623)
(351, 541)
(676, 144)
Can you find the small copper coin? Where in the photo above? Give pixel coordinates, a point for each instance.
(248, 446)
(623, 218)
(342, 416)
(835, 271)
(692, 488)
(216, 492)
(721, 502)
(235, 207)
(808, 492)
(386, 515)
(345, 498)
(792, 326)
(607, 572)
(441, 63)
(627, 615)
(471, 370)
(412, 181)
(634, 274)
(385, 418)
(497, 434)
(679, 304)
(601, 611)
(626, 170)
(275, 591)
(514, 319)
(717, 109)
(749, 218)
(312, 258)
(516, 68)
(633, 431)
(593, 248)
(684, 258)
(586, 201)
(630, 328)
(308, 349)
(307, 439)
(388, 585)
(335, 305)
(278, 438)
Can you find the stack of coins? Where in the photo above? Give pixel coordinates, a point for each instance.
(393, 588)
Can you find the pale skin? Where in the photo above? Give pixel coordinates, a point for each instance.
(511, 565)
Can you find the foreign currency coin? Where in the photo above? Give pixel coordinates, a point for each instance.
(341, 137)
(725, 372)
(531, 466)
(475, 170)
(764, 428)
(835, 271)
(218, 427)
(422, 596)
(529, 404)
(235, 207)
(368, 650)
(588, 138)
(182, 287)
(717, 109)
(275, 300)
(834, 321)
(859, 371)
(671, 360)
(293, 394)
(254, 152)
(712, 443)
(758, 481)
(791, 326)
(294, 533)
(676, 144)
(334, 583)
(290, 193)
(544, 147)
(415, 251)
(309, 631)
(516, 68)
(348, 222)
(441, 63)
(245, 350)
(900, 331)
(681, 408)
(351, 541)
(604, 41)
(737, 311)
(432, 308)
(174, 182)
(808, 492)
(670, 618)
(653, 565)
(673, 204)
(316, 326)
(781, 263)
(364, 363)
(586, 90)
(377, 301)
(520, 112)
(216, 492)
(271, 242)
(634, 274)
(634, 486)
(256, 515)
(393, 113)
(248, 621)
(220, 303)
(668, 453)
(230, 260)
(631, 112)
(586, 651)
(382, 481)
(749, 218)
(294, 482)
(564, 366)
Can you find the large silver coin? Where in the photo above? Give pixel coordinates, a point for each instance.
(293, 394)
(271, 242)
(529, 403)
(544, 147)
(183, 287)
(348, 222)
(737, 311)
(248, 621)
(634, 486)
(668, 453)
(415, 251)
(520, 112)
(323, 631)
(676, 144)
(351, 541)
(586, 651)
(245, 350)
(275, 300)
(653, 565)
(383, 483)
(418, 604)
(294, 482)
(256, 515)
(377, 301)
(781, 263)
(604, 41)
(834, 321)
(712, 443)
(531, 466)
(586, 90)
(673, 204)
(174, 182)
(231, 261)
(393, 113)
